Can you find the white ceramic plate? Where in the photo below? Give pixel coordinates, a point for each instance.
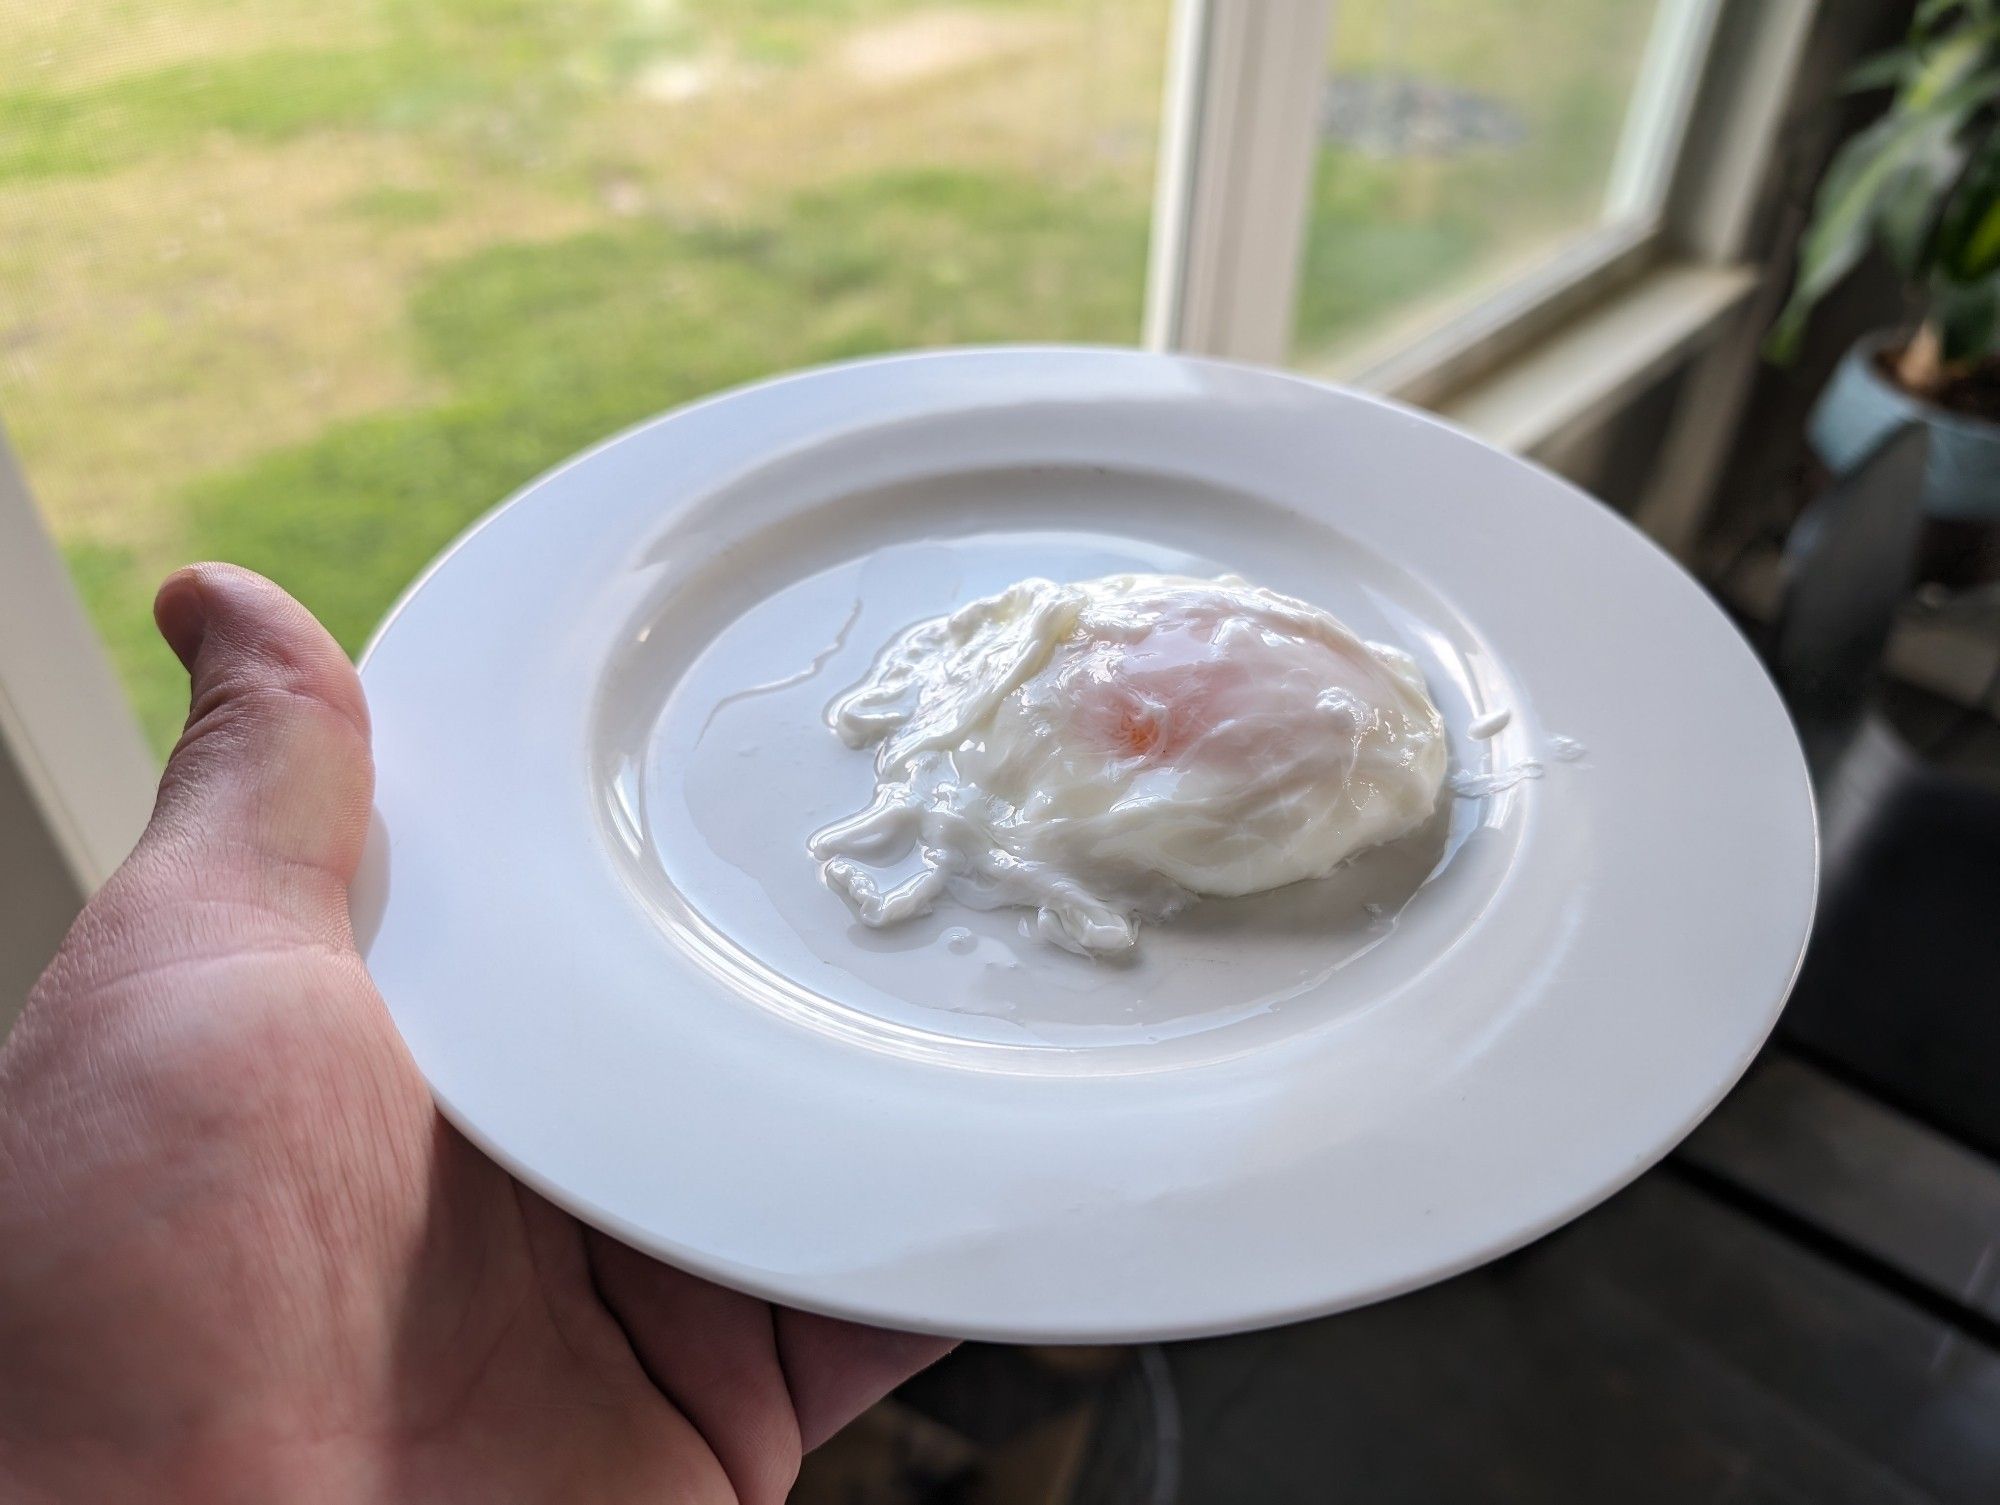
(588, 903)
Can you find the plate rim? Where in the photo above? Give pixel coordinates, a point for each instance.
(1246, 1315)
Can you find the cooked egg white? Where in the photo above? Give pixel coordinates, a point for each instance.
(1104, 752)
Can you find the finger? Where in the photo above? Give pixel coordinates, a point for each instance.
(267, 791)
(836, 1370)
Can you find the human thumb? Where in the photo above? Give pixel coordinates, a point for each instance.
(265, 797)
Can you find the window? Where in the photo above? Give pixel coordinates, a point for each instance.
(309, 284)
(1463, 147)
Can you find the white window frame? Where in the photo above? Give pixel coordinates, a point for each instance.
(73, 765)
(1527, 365)
(1237, 142)
(1238, 148)
(67, 731)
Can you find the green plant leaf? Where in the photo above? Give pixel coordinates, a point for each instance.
(1934, 58)
(1946, 66)
(1981, 252)
(1968, 238)
(1931, 12)
(1870, 174)
(1864, 171)
(1906, 214)
(1934, 15)
(1967, 316)
(1885, 70)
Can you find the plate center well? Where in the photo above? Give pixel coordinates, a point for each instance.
(714, 762)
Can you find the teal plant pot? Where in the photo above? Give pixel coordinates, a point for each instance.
(1860, 408)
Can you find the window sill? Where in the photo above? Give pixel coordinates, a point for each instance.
(1579, 375)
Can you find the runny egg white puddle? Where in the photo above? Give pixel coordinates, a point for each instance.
(750, 713)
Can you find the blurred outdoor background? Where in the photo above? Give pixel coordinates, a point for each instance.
(310, 284)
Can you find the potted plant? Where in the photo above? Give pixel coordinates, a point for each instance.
(1923, 183)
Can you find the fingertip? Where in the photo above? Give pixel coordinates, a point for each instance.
(181, 614)
(243, 619)
(272, 776)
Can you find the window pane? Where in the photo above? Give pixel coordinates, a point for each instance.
(308, 284)
(1462, 143)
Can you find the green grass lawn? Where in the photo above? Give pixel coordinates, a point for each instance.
(544, 349)
(310, 286)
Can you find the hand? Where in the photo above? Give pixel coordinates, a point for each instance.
(241, 1256)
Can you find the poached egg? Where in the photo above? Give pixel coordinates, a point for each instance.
(1105, 752)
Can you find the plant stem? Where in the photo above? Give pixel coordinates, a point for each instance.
(1920, 367)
